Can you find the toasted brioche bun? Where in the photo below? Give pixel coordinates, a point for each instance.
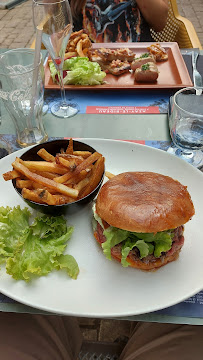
(144, 202)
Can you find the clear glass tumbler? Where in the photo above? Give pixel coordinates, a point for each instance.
(186, 125)
(16, 75)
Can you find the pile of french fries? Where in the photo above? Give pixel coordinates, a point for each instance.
(56, 180)
(78, 45)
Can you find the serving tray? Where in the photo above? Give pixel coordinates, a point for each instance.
(173, 73)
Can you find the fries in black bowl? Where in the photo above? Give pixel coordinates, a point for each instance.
(58, 176)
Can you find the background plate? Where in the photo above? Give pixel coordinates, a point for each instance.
(103, 287)
(173, 73)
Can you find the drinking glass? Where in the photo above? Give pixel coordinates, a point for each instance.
(186, 125)
(16, 76)
(5, 147)
(55, 19)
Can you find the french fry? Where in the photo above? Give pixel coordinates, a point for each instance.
(24, 184)
(37, 186)
(75, 34)
(73, 163)
(77, 158)
(84, 36)
(79, 48)
(70, 54)
(45, 155)
(80, 176)
(86, 43)
(41, 197)
(72, 49)
(90, 160)
(46, 196)
(81, 184)
(44, 166)
(44, 181)
(69, 149)
(64, 178)
(85, 52)
(94, 178)
(10, 175)
(109, 175)
(62, 199)
(32, 185)
(78, 45)
(31, 195)
(64, 162)
(84, 154)
(87, 162)
(46, 174)
(75, 41)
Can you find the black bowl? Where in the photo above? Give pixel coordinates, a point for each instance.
(54, 147)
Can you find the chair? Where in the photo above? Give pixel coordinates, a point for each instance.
(178, 29)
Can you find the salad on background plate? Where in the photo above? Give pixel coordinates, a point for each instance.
(78, 71)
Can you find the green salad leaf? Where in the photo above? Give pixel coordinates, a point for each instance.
(146, 243)
(34, 249)
(13, 224)
(144, 249)
(114, 236)
(79, 71)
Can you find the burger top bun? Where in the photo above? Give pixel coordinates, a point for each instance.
(144, 202)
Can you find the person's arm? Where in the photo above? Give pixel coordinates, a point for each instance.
(155, 12)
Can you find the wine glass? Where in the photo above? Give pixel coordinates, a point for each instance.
(55, 19)
(186, 125)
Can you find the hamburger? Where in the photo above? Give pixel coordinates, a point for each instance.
(139, 219)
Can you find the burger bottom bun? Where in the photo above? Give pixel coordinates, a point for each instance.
(139, 264)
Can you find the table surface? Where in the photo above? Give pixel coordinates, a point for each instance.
(129, 127)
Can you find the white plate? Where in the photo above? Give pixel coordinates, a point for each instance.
(103, 287)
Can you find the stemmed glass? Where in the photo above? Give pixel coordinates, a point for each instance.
(55, 19)
(186, 125)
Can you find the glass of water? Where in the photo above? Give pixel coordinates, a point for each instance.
(186, 125)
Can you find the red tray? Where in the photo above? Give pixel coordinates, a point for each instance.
(173, 73)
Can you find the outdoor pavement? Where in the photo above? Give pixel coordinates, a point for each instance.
(16, 26)
(16, 30)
